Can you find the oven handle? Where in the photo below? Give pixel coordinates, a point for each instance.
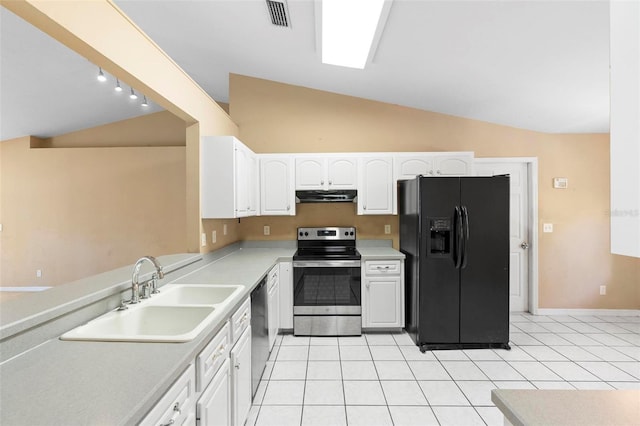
(326, 264)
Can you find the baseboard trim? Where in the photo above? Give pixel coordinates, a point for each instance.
(611, 312)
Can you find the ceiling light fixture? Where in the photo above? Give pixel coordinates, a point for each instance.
(350, 28)
(133, 94)
(144, 101)
(101, 77)
(118, 87)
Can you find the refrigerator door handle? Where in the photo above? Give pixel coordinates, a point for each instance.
(465, 237)
(457, 238)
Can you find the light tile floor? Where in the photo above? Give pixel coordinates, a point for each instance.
(383, 379)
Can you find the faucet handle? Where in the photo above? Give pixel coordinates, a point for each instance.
(154, 283)
(145, 289)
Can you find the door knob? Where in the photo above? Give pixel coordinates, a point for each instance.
(524, 245)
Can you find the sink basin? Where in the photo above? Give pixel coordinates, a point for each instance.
(194, 294)
(177, 314)
(151, 323)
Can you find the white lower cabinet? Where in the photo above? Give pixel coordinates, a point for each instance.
(214, 406)
(241, 379)
(383, 294)
(273, 313)
(286, 295)
(178, 404)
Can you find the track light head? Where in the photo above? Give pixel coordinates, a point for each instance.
(118, 88)
(133, 94)
(101, 77)
(144, 101)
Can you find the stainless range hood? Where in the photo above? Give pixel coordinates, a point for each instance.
(334, 196)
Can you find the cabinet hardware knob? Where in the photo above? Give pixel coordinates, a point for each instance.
(524, 245)
(288, 208)
(439, 172)
(330, 183)
(237, 366)
(322, 182)
(364, 207)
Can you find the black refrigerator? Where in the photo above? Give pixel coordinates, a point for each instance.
(454, 232)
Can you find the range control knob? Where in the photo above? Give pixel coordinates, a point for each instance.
(301, 233)
(346, 233)
(351, 233)
(306, 234)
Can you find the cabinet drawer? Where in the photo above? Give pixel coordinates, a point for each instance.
(212, 357)
(241, 320)
(273, 277)
(177, 403)
(382, 267)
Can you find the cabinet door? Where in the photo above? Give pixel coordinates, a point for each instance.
(310, 173)
(241, 379)
(341, 173)
(286, 295)
(383, 302)
(177, 403)
(253, 185)
(242, 172)
(454, 166)
(214, 406)
(410, 167)
(277, 190)
(273, 315)
(375, 186)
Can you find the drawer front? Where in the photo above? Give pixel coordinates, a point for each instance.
(212, 357)
(382, 267)
(177, 403)
(273, 277)
(241, 320)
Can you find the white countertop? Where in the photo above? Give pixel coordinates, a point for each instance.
(568, 407)
(77, 382)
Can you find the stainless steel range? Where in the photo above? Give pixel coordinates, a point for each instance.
(326, 283)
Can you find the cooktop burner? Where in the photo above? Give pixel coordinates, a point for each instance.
(328, 243)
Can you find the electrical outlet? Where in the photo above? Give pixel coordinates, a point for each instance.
(203, 239)
(603, 290)
(224, 229)
(213, 237)
(387, 229)
(267, 230)
(547, 227)
(38, 273)
(0, 227)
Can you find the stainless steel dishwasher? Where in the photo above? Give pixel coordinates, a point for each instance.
(259, 333)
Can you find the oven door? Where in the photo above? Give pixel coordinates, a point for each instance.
(326, 287)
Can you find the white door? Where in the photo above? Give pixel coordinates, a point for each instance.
(241, 378)
(383, 302)
(375, 191)
(342, 173)
(277, 196)
(310, 173)
(519, 229)
(214, 406)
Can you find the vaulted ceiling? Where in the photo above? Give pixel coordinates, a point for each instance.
(539, 65)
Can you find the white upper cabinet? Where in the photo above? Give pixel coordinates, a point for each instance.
(228, 178)
(277, 186)
(323, 173)
(408, 165)
(341, 173)
(412, 165)
(375, 185)
(458, 164)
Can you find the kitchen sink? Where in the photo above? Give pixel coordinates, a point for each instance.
(194, 294)
(177, 314)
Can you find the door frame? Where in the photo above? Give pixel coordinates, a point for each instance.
(532, 193)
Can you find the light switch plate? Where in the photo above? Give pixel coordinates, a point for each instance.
(224, 229)
(560, 183)
(203, 239)
(267, 230)
(387, 229)
(214, 237)
(547, 227)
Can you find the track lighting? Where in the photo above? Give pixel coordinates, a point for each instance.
(133, 94)
(144, 101)
(101, 77)
(118, 87)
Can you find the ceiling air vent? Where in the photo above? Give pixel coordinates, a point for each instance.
(278, 12)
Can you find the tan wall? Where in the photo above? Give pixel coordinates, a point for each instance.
(76, 212)
(83, 26)
(574, 260)
(157, 129)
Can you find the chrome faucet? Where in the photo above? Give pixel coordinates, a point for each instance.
(135, 285)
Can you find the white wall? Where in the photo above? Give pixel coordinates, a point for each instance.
(625, 127)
